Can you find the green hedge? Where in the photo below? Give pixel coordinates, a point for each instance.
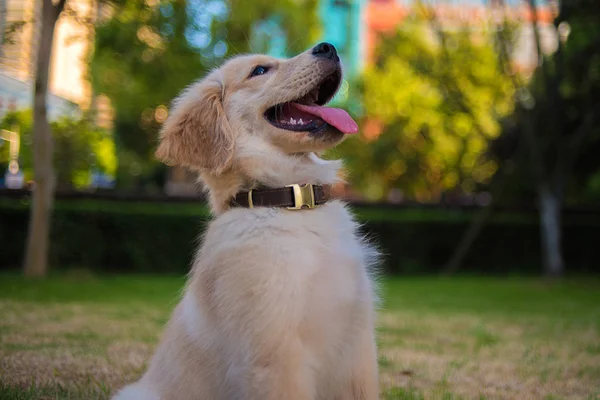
(122, 236)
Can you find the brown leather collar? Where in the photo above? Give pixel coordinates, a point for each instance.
(292, 197)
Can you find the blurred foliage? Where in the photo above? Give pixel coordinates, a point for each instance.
(148, 51)
(297, 19)
(80, 148)
(433, 101)
(573, 81)
(141, 56)
(561, 107)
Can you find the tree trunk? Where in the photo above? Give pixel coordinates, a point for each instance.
(497, 185)
(36, 256)
(466, 242)
(550, 230)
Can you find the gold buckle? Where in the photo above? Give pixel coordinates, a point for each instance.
(304, 196)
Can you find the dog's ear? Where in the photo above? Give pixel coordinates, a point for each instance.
(197, 133)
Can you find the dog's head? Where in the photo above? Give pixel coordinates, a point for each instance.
(256, 102)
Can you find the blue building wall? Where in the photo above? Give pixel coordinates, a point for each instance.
(342, 22)
(342, 25)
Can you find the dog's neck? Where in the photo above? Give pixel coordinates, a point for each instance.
(274, 170)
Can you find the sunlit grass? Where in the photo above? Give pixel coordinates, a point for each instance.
(80, 336)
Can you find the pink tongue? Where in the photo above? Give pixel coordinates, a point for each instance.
(333, 116)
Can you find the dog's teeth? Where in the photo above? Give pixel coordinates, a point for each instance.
(314, 95)
(300, 121)
(293, 121)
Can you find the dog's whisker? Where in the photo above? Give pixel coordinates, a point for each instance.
(248, 42)
(232, 46)
(291, 44)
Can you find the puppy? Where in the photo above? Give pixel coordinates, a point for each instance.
(279, 304)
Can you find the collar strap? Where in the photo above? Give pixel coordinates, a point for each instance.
(292, 197)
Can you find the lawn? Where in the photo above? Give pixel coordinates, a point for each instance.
(80, 337)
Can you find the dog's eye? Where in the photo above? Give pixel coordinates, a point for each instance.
(259, 70)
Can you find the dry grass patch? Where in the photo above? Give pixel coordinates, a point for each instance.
(493, 358)
(75, 344)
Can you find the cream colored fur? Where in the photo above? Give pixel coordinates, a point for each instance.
(279, 304)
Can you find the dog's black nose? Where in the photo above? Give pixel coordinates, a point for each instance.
(325, 50)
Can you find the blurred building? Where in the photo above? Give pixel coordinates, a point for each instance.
(343, 26)
(354, 27)
(385, 16)
(69, 91)
(73, 40)
(16, 94)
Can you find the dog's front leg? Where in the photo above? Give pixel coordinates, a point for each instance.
(283, 374)
(363, 381)
(365, 377)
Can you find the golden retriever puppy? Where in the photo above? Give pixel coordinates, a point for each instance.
(279, 304)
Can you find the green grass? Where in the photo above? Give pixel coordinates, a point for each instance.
(578, 298)
(77, 336)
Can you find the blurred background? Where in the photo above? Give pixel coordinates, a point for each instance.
(477, 158)
(477, 153)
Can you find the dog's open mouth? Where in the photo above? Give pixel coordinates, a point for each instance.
(308, 114)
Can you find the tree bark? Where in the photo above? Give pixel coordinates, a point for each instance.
(550, 232)
(36, 255)
(480, 220)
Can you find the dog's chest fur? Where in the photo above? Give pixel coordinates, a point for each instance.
(264, 275)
